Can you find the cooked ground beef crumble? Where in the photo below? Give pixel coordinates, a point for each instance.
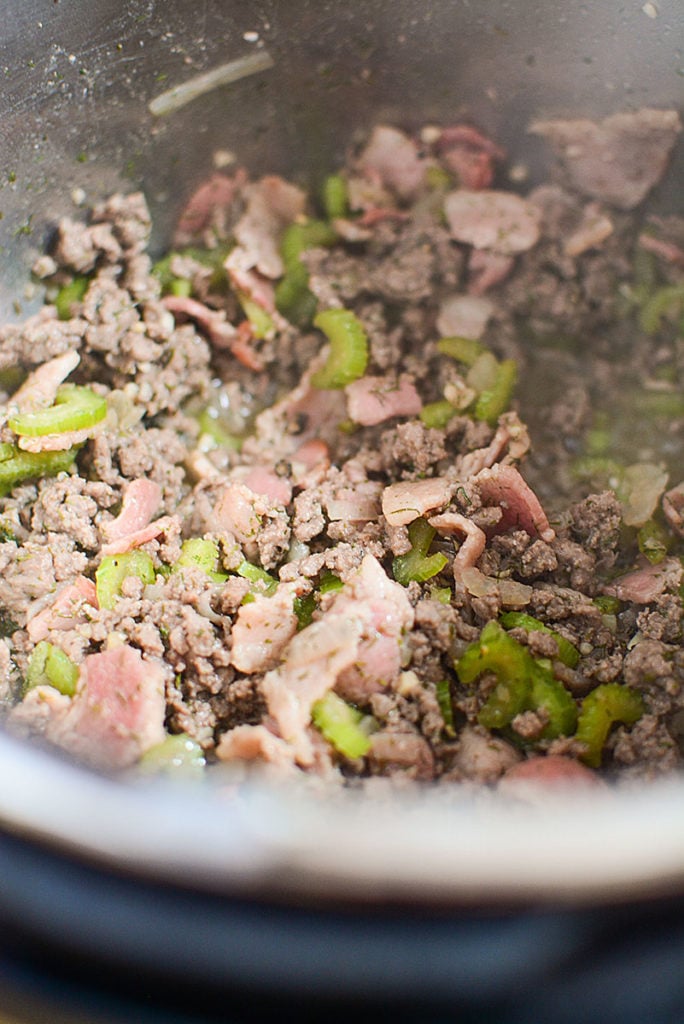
(307, 525)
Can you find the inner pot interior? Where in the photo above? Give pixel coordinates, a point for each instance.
(79, 122)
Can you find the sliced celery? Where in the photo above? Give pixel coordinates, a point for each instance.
(334, 196)
(68, 294)
(567, 652)
(74, 408)
(437, 414)
(417, 564)
(177, 755)
(267, 583)
(201, 554)
(21, 465)
(601, 709)
(348, 354)
(339, 723)
(50, 666)
(114, 569)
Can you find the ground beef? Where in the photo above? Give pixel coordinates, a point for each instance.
(398, 518)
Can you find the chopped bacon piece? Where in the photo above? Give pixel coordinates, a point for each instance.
(248, 281)
(214, 195)
(372, 400)
(141, 501)
(59, 442)
(64, 612)
(510, 433)
(212, 321)
(594, 228)
(673, 507)
(503, 485)
(40, 387)
(469, 154)
(464, 316)
(371, 608)
(265, 482)
(473, 545)
(221, 333)
(153, 530)
(369, 218)
(487, 269)
(238, 510)
(549, 770)
(647, 584)
(358, 503)
(668, 251)
(617, 160)
(408, 500)
(252, 743)
(272, 204)
(392, 158)
(117, 712)
(262, 630)
(313, 661)
(501, 221)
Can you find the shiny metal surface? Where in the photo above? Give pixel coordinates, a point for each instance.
(75, 123)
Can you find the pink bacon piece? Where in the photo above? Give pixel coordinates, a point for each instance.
(372, 400)
(503, 486)
(117, 712)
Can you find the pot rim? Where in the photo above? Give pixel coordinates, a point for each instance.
(441, 845)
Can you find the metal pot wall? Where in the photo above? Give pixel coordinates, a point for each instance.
(77, 121)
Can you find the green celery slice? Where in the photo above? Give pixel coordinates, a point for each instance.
(177, 755)
(348, 356)
(601, 709)
(114, 569)
(22, 465)
(416, 564)
(339, 723)
(50, 666)
(567, 652)
(75, 408)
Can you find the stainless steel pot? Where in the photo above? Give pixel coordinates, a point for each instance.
(77, 120)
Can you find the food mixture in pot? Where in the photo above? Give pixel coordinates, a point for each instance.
(271, 500)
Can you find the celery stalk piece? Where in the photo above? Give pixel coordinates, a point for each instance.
(22, 465)
(437, 414)
(329, 582)
(293, 297)
(177, 755)
(443, 692)
(602, 708)
(304, 607)
(464, 350)
(254, 574)
(522, 683)
(334, 196)
(416, 564)
(50, 666)
(567, 652)
(68, 294)
(202, 554)
(495, 400)
(549, 695)
(114, 569)
(75, 408)
(653, 542)
(339, 723)
(348, 354)
(262, 323)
